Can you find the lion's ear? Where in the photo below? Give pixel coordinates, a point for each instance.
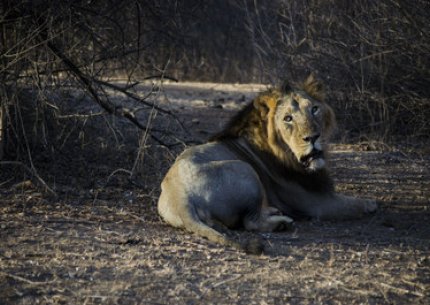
(261, 106)
(286, 87)
(266, 102)
(313, 87)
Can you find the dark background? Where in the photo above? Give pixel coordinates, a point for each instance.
(373, 56)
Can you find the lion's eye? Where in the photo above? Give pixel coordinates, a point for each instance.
(315, 109)
(288, 118)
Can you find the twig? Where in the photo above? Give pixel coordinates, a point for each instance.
(32, 171)
(87, 83)
(401, 290)
(231, 279)
(144, 139)
(161, 76)
(23, 279)
(132, 95)
(5, 182)
(343, 286)
(140, 99)
(120, 170)
(79, 116)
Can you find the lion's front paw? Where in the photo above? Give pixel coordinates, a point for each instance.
(270, 211)
(370, 206)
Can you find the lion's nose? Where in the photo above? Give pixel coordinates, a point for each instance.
(312, 139)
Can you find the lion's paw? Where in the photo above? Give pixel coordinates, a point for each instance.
(283, 223)
(270, 211)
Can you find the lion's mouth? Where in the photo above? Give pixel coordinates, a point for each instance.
(315, 154)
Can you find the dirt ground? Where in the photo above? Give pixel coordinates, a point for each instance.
(99, 239)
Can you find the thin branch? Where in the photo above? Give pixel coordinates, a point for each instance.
(87, 83)
(142, 99)
(399, 290)
(31, 171)
(23, 279)
(161, 76)
(79, 116)
(132, 95)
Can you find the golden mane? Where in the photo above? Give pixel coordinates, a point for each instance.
(250, 122)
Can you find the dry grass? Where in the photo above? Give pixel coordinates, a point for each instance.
(107, 248)
(102, 242)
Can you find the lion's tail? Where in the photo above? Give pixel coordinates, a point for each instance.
(191, 222)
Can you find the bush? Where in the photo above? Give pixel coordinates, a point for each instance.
(373, 55)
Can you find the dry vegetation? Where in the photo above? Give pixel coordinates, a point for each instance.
(100, 240)
(82, 155)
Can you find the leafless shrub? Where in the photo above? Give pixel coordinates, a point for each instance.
(372, 54)
(50, 49)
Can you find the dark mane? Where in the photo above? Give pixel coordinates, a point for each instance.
(235, 125)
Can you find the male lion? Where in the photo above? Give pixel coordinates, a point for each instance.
(269, 160)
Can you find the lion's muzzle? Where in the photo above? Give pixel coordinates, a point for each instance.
(314, 160)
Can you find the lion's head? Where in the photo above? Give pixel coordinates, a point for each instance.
(293, 124)
(300, 121)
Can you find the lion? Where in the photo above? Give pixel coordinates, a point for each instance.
(266, 168)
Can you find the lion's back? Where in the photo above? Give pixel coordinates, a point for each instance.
(208, 152)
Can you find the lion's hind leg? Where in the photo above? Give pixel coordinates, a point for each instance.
(186, 217)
